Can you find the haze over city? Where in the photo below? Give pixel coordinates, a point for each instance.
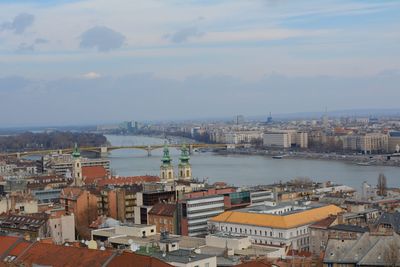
(75, 62)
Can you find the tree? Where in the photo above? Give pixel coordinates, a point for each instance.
(382, 185)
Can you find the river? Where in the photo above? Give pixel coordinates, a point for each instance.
(242, 170)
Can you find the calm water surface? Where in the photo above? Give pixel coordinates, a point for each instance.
(243, 169)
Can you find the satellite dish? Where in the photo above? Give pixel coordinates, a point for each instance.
(130, 241)
(134, 247)
(102, 248)
(86, 243)
(83, 241)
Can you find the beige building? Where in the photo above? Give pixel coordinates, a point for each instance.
(368, 143)
(24, 204)
(394, 142)
(62, 227)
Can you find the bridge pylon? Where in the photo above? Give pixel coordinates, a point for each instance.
(103, 151)
(190, 149)
(148, 149)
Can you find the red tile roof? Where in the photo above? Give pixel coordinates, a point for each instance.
(129, 259)
(57, 256)
(128, 180)
(255, 263)
(91, 174)
(12, 246)
(163, 209)
(71, 192)
(41, 253)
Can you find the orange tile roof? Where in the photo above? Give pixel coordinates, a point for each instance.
(278, 221)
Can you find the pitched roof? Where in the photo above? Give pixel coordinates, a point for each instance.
(349, 228)
(368, 250)
(128, 180)
(91, 173)
(255, 263)
(278, 221)
(392, 219)
(129, 259)
(55, 255)
(324, 223)
(71, 192)
(163, 209)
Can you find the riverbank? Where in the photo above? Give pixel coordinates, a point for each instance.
(362, 160)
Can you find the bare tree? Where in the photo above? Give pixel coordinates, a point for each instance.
(212, 229)
(382, 185)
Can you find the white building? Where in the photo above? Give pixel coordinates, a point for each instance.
(195, 213)
(283, 224)
(277, 139)
(259, 197)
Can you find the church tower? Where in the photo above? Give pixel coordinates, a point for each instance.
(77, 167)
(184, 168)
(166, 168)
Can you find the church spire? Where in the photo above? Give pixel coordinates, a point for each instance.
(166, 168)
(76, 153)
(185, 170)
(166, 159)
(184, 158)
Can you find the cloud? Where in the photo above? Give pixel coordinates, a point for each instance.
(183, 35)
(41, 41)
(19, 24)
(102, 38)
(91, 75)
(164, 99)
(25, 48)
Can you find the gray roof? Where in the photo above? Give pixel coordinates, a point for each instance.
(390, 218)
(181, 256)
(368, 250)
(348, 228)
(394, 134)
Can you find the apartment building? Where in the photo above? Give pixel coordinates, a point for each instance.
(193, 214)
(368, 143)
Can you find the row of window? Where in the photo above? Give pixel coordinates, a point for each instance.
(259, 232)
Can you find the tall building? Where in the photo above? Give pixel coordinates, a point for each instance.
(166, 168)
(77, 167)
(184, 167)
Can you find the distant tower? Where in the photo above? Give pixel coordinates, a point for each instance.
(77, 167)
(166, 168)
(269, 119)
(184, 168)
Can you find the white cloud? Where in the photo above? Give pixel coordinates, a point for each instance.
(91, 75)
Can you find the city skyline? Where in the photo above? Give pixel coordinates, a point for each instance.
(72, 62)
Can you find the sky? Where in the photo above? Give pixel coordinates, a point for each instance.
(99, 61)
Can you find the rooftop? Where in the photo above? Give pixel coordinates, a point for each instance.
(181, 256)
(163, 209)
(282, 221)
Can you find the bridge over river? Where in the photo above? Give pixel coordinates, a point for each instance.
(103, 150)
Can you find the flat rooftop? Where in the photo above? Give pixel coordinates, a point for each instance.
(282, 208)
